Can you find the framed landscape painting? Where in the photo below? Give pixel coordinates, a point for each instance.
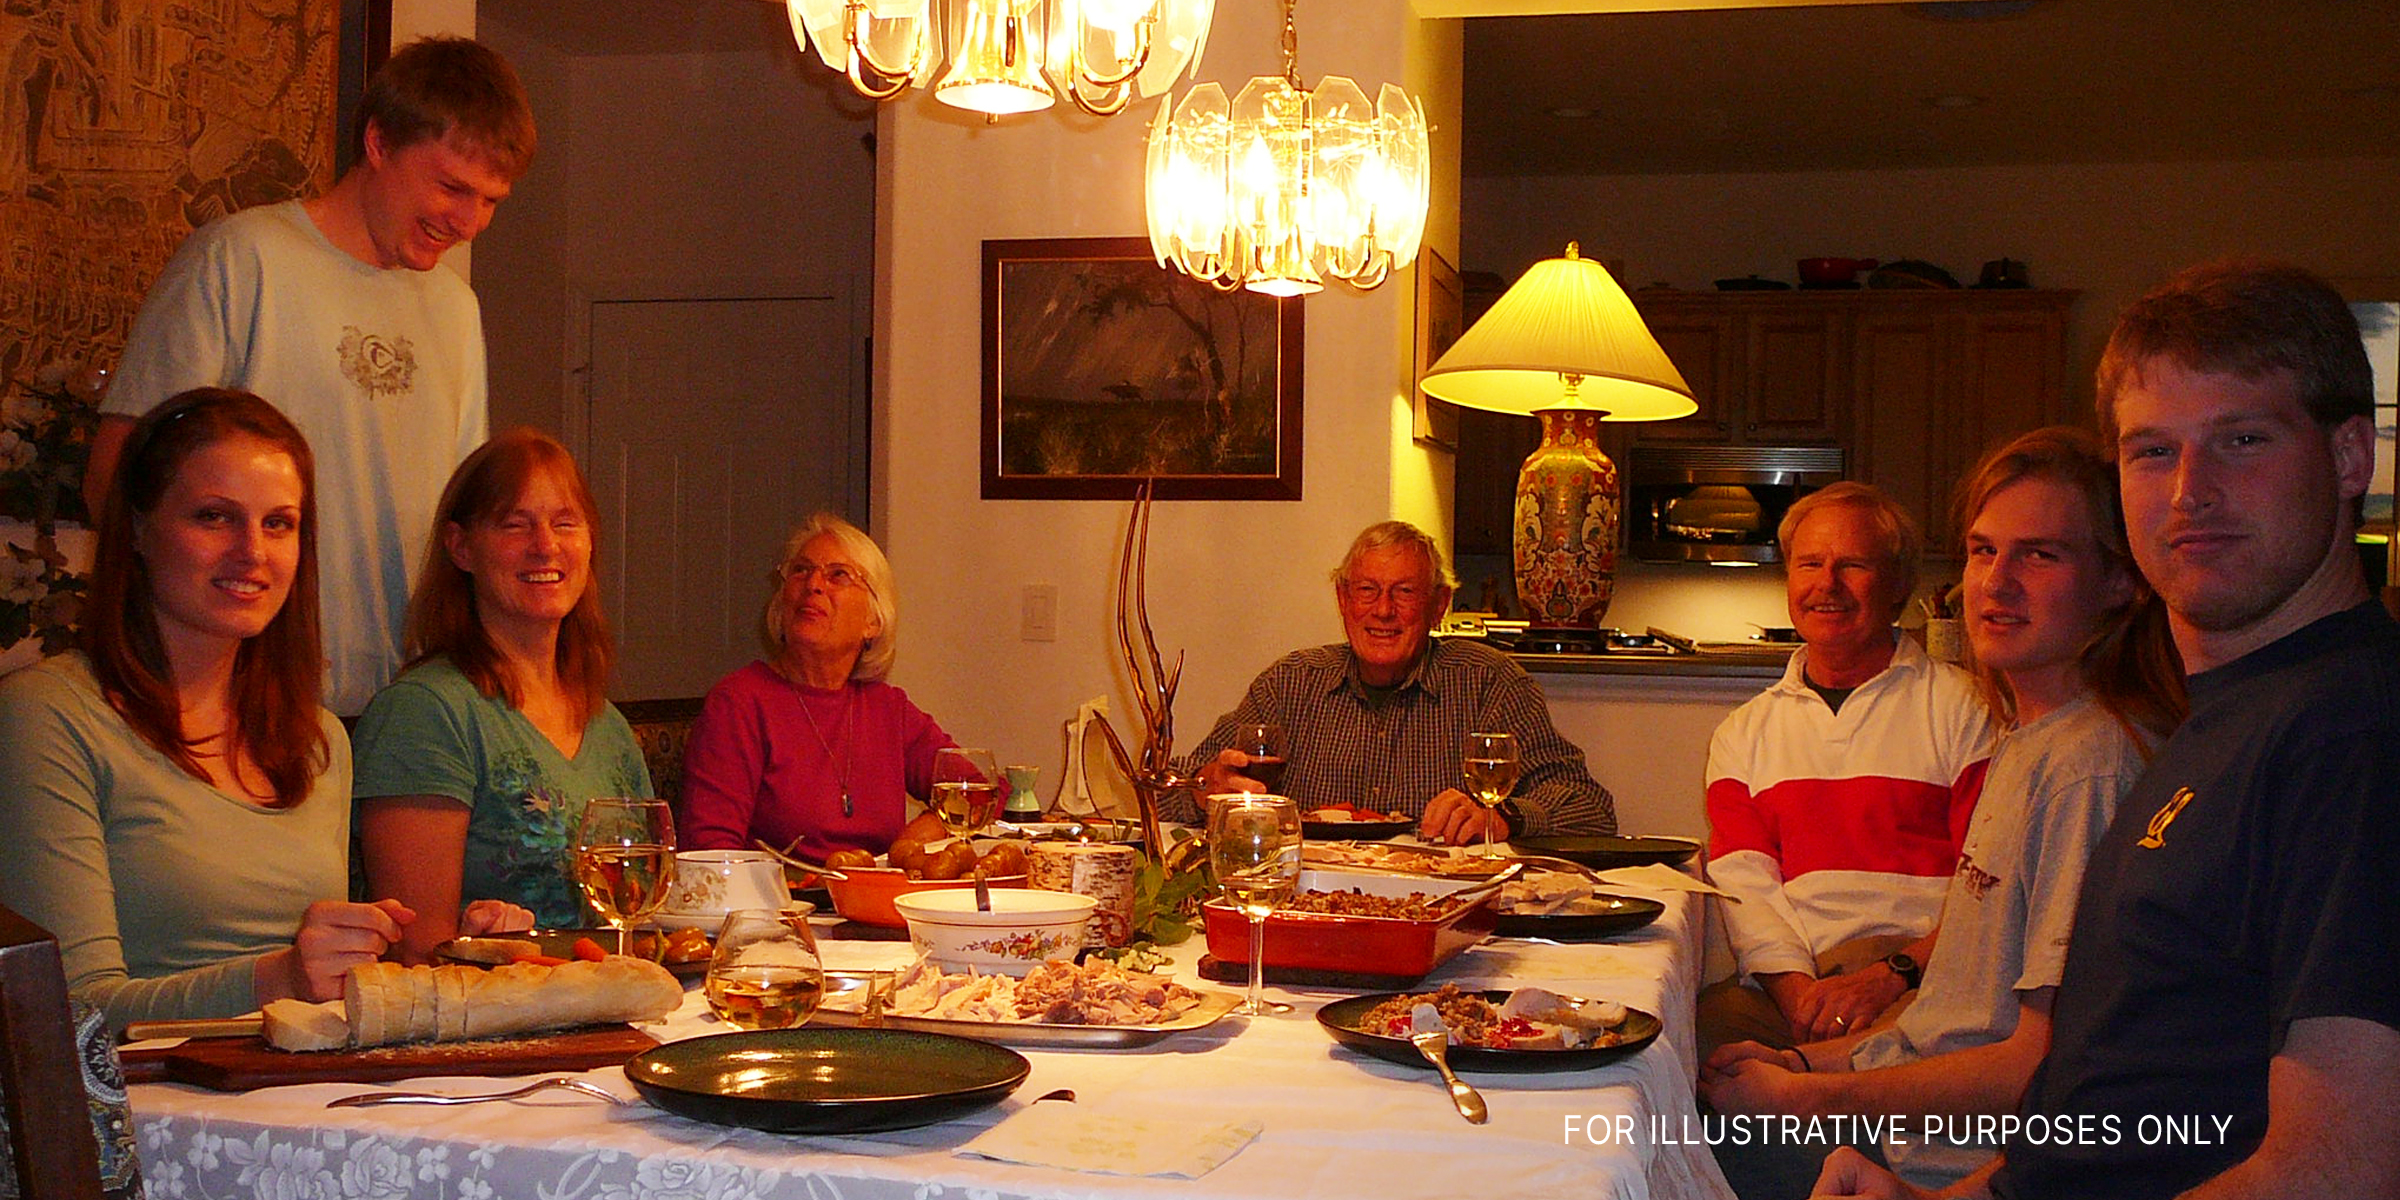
(1102, 369)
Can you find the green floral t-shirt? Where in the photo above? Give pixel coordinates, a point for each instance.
(432, 734)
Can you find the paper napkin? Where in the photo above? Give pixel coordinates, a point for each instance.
(1665, 878)
(1079, 1139)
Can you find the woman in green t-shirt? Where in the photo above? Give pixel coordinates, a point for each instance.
(473, 767)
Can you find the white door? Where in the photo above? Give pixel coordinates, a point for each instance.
(714, 427)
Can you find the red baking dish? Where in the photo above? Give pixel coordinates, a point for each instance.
(1359, 945)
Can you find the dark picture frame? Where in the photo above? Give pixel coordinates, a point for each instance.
(1441, 320)
(364, 44)
(1102, 369)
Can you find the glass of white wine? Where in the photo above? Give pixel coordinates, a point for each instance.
(1254, 848)
(1492, 768)
(966, 789)
(765, 973)
(625, 858)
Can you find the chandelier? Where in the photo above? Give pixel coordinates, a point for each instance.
(1285, 185)
(1007, 56)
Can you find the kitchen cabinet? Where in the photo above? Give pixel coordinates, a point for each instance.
(1943, 377)
(1912, 384)
(1764, 370)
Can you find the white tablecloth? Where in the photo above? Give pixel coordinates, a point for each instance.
(1336, 1123)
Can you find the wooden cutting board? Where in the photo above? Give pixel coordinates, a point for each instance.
(240, 1064)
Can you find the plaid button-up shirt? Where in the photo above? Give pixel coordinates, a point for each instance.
(1395, 753)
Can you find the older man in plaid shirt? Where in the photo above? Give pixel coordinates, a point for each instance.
(1381, 721)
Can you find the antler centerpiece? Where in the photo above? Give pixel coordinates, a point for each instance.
(1154, 681)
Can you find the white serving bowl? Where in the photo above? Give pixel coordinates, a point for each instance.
(1026, 927)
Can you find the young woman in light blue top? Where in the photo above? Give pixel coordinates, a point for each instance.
(473, 767)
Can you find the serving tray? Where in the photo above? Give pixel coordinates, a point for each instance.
(839, 984)
(240, 1064)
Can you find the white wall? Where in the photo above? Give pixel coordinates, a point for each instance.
(1232, 584)
(666, 174)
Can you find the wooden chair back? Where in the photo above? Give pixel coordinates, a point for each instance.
(49, 1114)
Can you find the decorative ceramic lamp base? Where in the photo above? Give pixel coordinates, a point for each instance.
(1566, 523)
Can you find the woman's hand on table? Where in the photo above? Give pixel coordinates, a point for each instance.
(334, 936)
(493, 916)
(1224, 774)
(1454, 819)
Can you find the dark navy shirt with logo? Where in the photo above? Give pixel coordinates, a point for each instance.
(2251, 879)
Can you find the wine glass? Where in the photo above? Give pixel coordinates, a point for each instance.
(1492, 769)
(625, 858)
(1254, 848)
(1264, 744)
(966, 789)
(765, 973)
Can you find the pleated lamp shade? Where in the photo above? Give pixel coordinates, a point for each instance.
(1565, 336)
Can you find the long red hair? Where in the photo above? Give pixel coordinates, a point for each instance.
(441, 615)
(278, 674)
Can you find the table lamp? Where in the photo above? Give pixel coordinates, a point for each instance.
(1565, 345)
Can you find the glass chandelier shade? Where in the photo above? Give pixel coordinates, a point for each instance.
(1007, 56)
(1286, 185)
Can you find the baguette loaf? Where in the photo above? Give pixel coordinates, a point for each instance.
(385, 1002)
(300, 1025)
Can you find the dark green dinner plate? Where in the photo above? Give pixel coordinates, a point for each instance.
(1618, 914)
(826, 1080)
(1606, 853)
(1355, 831)
(1341, 1018)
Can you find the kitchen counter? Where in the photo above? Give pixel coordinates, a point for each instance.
(1761, 664)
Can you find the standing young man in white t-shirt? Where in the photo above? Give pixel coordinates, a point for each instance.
(332, 310)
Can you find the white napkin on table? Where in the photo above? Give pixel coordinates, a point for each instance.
(1662, 877)
(1080, 1139)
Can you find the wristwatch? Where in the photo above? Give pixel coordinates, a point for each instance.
(1906, 968)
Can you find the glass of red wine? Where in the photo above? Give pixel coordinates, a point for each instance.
(1264, 745)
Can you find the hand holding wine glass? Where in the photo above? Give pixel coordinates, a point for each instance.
(625, 858)
(1254, 848)
(1491, 770)
(1263, 745)
(765, 973)
(966, 789)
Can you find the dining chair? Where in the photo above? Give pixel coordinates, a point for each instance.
(48, 1114)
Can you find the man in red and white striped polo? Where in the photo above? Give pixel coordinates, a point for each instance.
(1837, 798)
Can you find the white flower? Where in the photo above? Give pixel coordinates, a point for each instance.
(203, 1150)
(374, 1169)
(289, 1171)
(20, 408)
(21, 579)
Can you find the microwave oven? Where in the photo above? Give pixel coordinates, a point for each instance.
(1718, 504)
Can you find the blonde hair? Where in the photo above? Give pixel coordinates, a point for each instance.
(875, 656)
(2130, 665)
(1903, 546)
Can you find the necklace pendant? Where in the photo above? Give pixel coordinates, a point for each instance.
(847, 810)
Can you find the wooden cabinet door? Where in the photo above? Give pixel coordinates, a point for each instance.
(1899, 398)
(1706, 348)
(1793, 378)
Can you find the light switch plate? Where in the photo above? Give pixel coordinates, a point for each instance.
(1039, 609)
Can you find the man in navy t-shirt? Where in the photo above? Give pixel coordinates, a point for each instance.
(2228, 1021)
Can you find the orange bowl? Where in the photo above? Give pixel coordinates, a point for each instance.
(866, 894)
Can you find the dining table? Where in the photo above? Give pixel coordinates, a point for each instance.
(1328, 1121)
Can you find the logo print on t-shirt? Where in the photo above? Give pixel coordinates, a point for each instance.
(1978, 880)
(2163, 818)
(383, 366)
